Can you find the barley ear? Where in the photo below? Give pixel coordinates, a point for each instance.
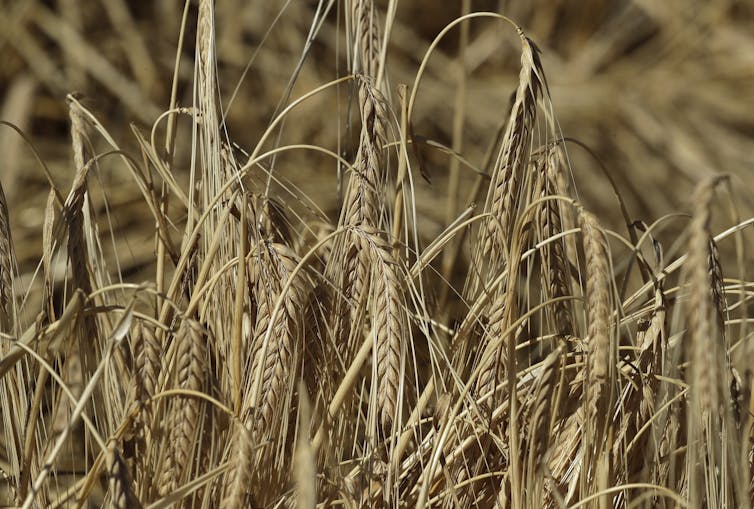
(713, 472)
(366, 36)
(600, 375)
(504, 192)
(185, 417)
(239, 477)
(6, 270)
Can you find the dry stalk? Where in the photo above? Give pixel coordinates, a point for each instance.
(305, 468)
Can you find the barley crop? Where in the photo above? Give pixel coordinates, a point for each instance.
(397, 289)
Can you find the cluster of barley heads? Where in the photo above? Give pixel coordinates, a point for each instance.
(526, 356)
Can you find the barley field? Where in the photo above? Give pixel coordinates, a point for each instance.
(371, 253)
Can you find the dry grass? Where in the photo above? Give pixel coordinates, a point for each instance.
(271, 345)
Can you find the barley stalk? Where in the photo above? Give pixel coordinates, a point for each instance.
(704, 345)
(305, 467)
(147, 351)
(542, 410)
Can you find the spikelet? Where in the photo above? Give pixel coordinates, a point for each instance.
(705, 354)
(147, 352)
(349, 263)
(494, 371)
(74, 204)
(541, 415)
(12, 385)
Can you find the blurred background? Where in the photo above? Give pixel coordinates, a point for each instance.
(662, 93)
